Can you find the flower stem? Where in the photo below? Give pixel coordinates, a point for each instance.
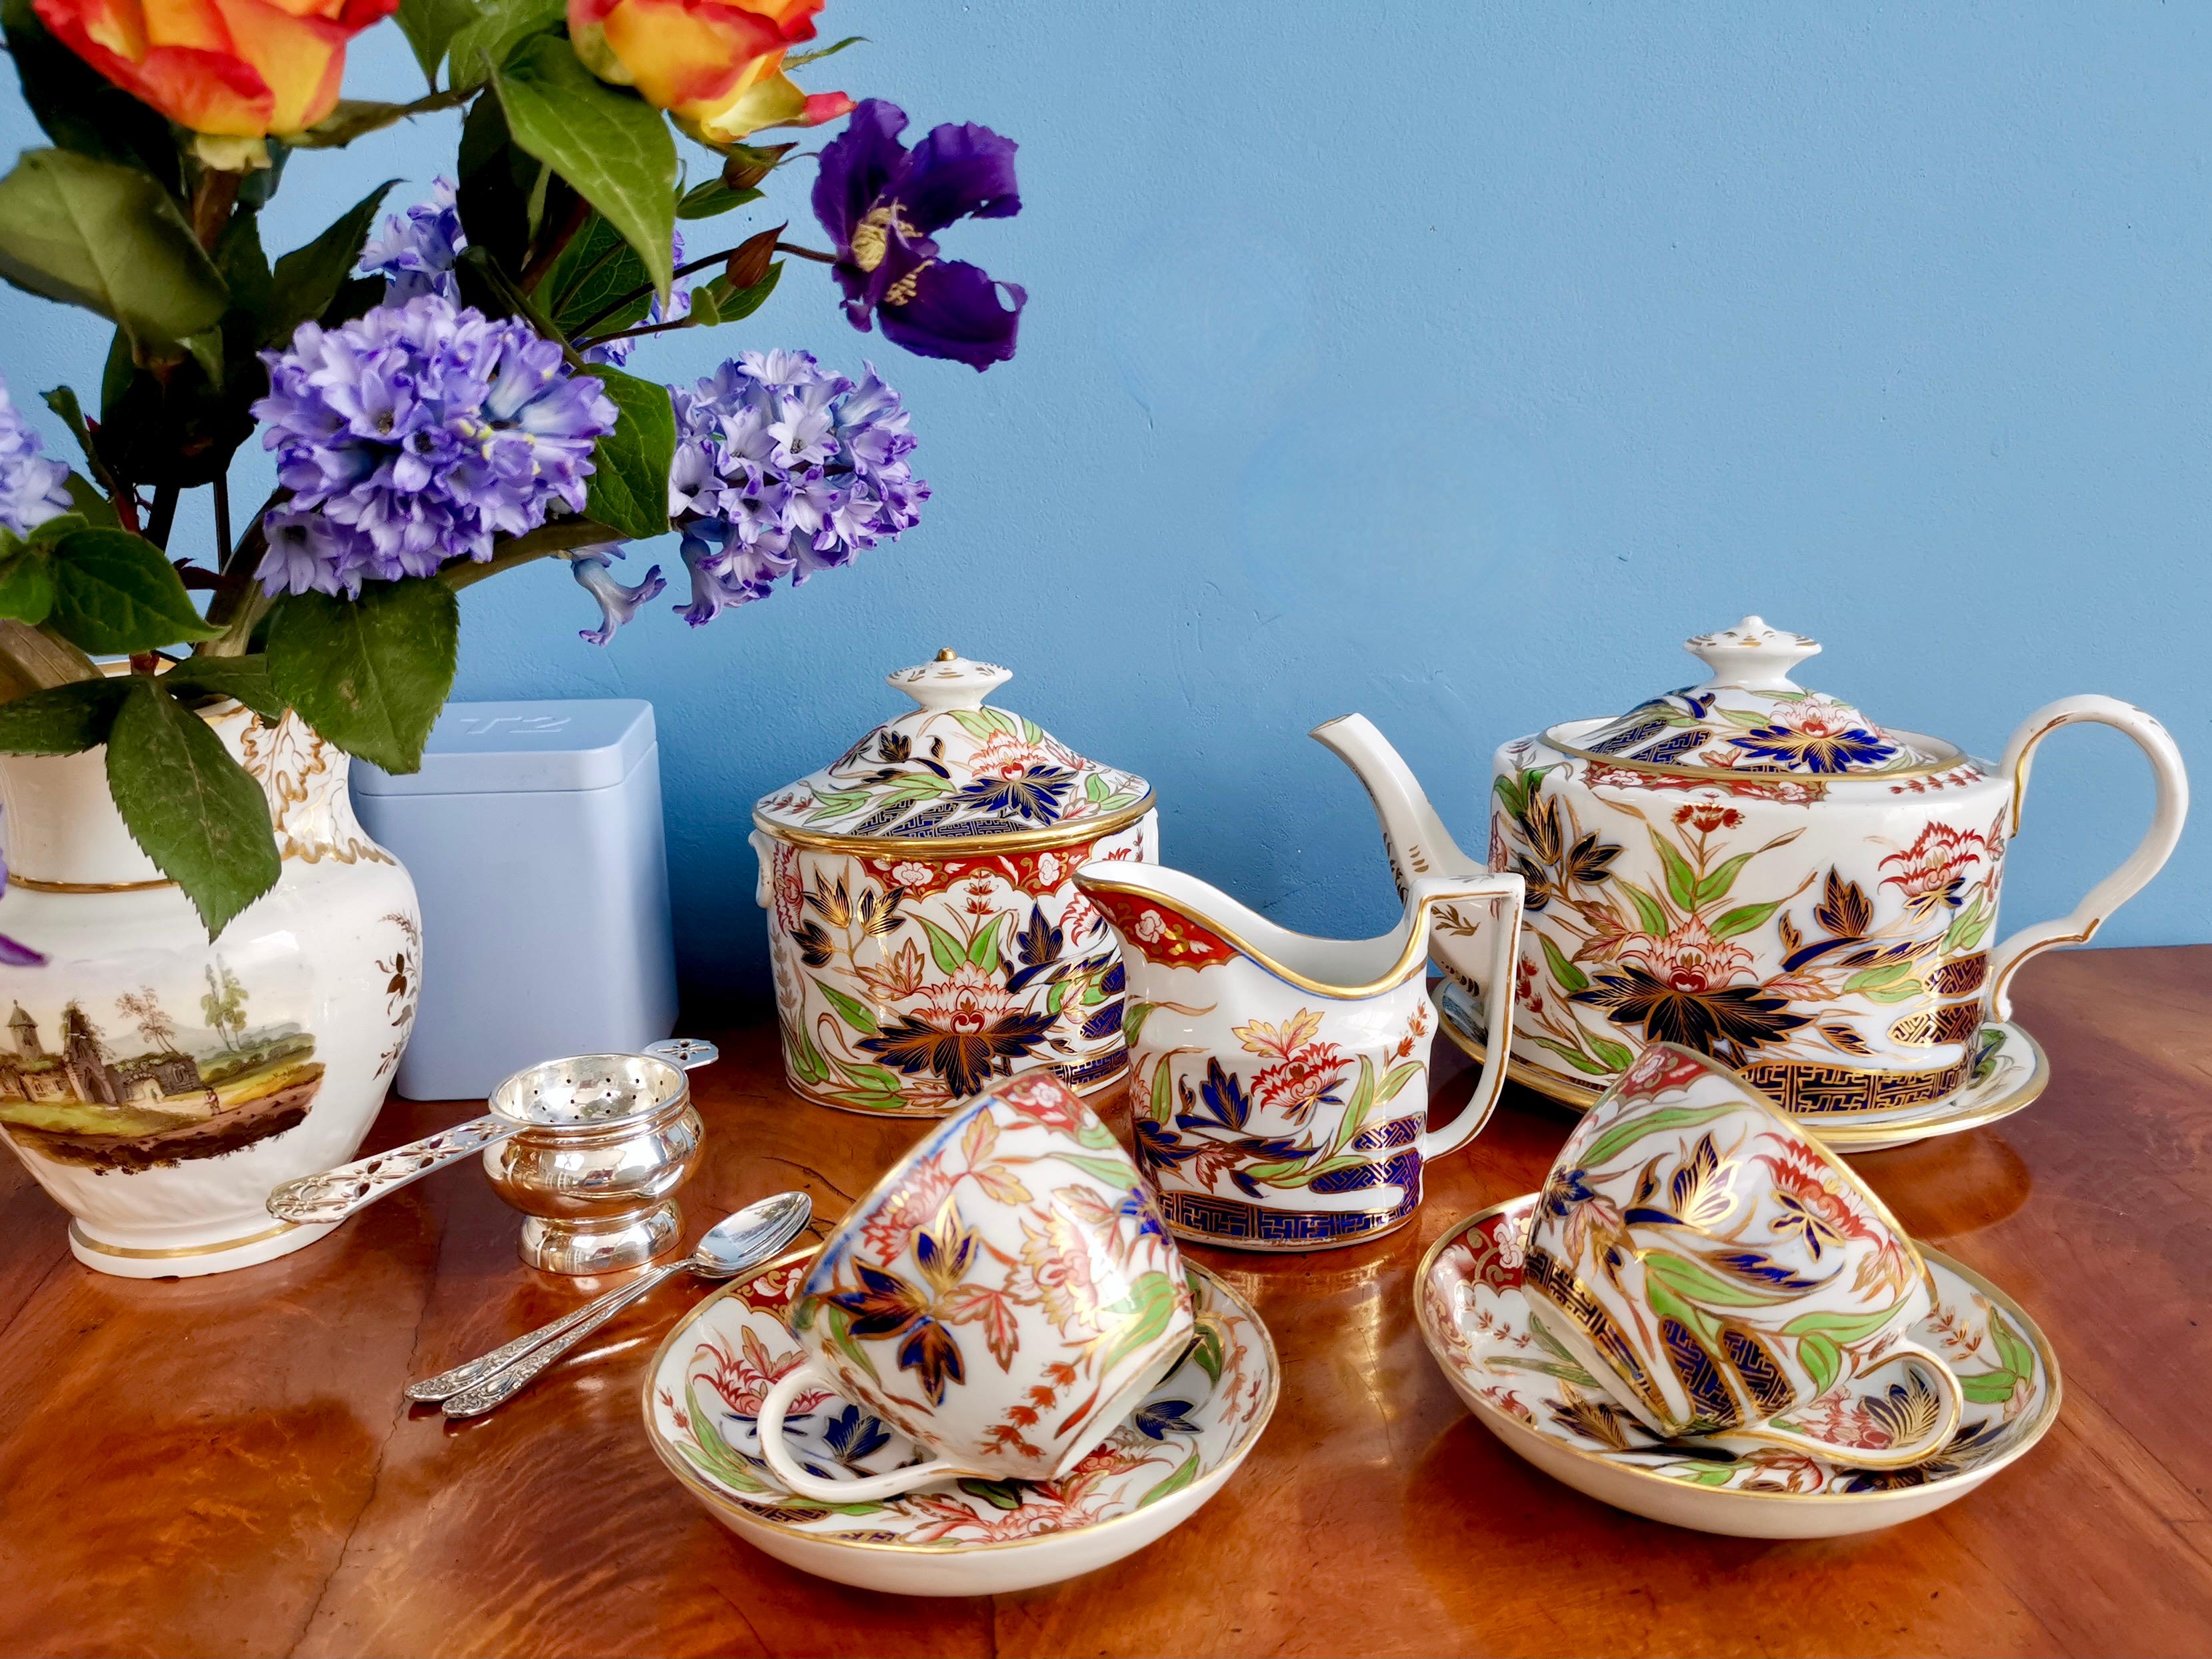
(32, 659)
(815, 254)
(542, 260)
(637, 333)
(213, 197)
(221, 517)
(252, 605)
(163, 515)
(636, 294)
(561, 535)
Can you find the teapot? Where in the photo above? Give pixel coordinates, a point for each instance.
(1759, 872)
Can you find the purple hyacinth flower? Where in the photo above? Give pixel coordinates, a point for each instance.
(882, 203)
(32, 488)
(307, 552)
(415, 253)
(617, 604)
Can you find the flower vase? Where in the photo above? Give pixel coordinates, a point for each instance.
(157, 1085)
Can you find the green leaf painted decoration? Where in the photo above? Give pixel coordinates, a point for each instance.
(1183, 1474)
(945, 949)
(369, 674)
(65, 720)
(1569, 977)
(1648, 914)
(855, 1012)
(1681, 880)
(628, 490)
(1744, 918)
(190, 807)
(1150, 1305)
(108, 238)
(113, 592)
(612, 145)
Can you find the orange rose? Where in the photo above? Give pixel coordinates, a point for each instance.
(235, 69)
(715, 65)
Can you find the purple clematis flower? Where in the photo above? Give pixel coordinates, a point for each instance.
(882, 203)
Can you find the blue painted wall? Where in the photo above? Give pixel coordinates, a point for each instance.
(1452, 362)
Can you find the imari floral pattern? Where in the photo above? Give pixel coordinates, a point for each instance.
(704, 1398)
(1506, 1361)
(1722, 1268)
(1250, 1151)
(1018, 1230)
(906, 981)
(1686, 914)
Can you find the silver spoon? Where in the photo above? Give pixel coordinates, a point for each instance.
(738, 1243)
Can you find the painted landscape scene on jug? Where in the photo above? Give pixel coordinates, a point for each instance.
(136, 1083)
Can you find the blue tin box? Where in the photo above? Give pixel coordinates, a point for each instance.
(533, 832)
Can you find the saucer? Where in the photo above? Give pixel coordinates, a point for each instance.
(2010, 1072)
(955, 1537)
(1532, 1396)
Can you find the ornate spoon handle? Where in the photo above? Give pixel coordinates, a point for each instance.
(337, 1194)
(504, 1385)
(446, 1384)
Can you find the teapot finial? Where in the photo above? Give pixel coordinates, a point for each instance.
(951, 681)
(1751, 655)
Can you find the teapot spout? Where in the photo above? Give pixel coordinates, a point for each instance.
(1413, 834)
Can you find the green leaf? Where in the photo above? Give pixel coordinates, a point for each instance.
(114, 592)
(26, 583)
(2012, 1346)
(430, 26)
(999, 1494)
(1873, 978)
(612, 145)
(1989, 1387)
(1570, 978)
(192, 808)
(1396, 1079)
(945, 949)
(90, 505)
(855, 1013)
(798, 60)
(245, 679)
(309, 278)
(983, 949)
(369, 674)
(65, 720)
(628, 490)
(1184, 1474)
(1162, 1103)
(497, 181)
(1744, 918)
(1681, 880)
(595, 271)
(1134, 1018)
(108, 238)
(731, 304)
(493, 30)
(705, 201)
(1648, 914)
(1112, 1171)
(356, 117)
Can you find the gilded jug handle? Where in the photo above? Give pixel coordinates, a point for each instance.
(2116, 889)
(1504, 893)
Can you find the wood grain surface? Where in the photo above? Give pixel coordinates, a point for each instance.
(225, 1466)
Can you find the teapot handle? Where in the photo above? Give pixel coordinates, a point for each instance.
(2116, 889)
(1504, 893)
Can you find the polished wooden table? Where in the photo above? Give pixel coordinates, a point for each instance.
(224, 1465)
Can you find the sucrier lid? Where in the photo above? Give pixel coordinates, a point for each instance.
(954, 771)
(1750, 716)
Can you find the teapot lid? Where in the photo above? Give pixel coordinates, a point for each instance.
(951, 772)
(1748, 715)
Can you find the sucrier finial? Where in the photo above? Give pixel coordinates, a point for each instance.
(949, 682)
(1751, 655)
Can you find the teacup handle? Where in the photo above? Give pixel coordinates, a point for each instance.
(1505, 892)
(2116, 889)
(1904, 1453)
(861, 1491)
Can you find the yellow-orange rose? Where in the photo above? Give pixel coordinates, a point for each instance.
(715, 65)
(236, 68)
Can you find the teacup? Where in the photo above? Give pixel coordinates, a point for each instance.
(1005, 1298)
(1716, 1270)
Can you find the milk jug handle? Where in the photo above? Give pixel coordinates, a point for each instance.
(1504, 893)
(2116, 889)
